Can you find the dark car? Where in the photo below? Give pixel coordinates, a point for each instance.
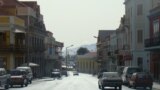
(127, 73)
(110, 79)
(18, 77)
(141, 79)
(56, 73)
(4, 79)
(29, 72)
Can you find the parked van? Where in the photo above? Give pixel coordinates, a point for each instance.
(127, 73)
(29, 72)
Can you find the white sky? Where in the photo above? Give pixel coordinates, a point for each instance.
(77, 21)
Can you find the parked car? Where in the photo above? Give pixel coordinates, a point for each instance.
(141, 79)
(64, 72)
(4, 79)
(127, 72)
(56, 73)
(18, 77)
(75, 73)
(29, 72)
(110, 79)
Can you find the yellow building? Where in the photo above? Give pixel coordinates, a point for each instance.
(12, 41)
(87, 63)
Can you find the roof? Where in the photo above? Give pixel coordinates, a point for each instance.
(89, 55)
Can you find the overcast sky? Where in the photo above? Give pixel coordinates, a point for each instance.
(77, 21)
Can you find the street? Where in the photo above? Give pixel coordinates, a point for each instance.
(81, 82)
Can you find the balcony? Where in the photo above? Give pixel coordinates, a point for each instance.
(23, 11)
(152, 42)
(8, 20)
(13, 48)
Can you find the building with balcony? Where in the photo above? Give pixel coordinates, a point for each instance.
(12, 41)
(124, 56)
(102, 48)
(35, 32)
(136, 12)
(53, 54)
(152, 43)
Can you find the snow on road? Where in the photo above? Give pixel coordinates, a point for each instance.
(81, 82)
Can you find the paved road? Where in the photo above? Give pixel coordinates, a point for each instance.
(81, 82)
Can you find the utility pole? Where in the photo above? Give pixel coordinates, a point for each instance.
(67, 55)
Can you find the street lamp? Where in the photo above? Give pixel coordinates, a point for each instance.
(67, 54)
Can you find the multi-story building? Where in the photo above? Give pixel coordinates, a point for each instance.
(34, 33)
(124, 56)
(12, 41)
(112, 54)
(103, 48)
(152, 43)
(136, 12)
(52, 53)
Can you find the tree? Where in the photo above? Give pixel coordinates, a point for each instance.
(82, 51)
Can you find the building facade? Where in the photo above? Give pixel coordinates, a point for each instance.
(136, 12)
(87, 63)
(152, 44)
(52, 53)
(32, 37)
(103, 48)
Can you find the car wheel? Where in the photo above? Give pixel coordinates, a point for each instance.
(25, 82)
(11, 85)
(150, 87)
(99, 86)
(30, 81)
(115, 88)
(6, 86)
(120, 87)
(102, 87)
(134, 86)
(129, 85)
(21, 85)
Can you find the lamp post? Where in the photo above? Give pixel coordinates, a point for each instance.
(67, 54)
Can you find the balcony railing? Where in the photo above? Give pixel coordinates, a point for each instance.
(12, 48)
(151, 42)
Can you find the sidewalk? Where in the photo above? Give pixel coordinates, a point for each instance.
(156, 86)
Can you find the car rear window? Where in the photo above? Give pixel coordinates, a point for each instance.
(133, 70)
(110, 75)
(17, 73)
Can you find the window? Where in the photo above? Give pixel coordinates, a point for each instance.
(140, 62)
(139, 36)
(155, 27)
(139, 9)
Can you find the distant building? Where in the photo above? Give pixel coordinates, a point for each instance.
(87, 63)
(103, 46)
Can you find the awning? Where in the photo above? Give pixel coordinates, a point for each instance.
(19, 31)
